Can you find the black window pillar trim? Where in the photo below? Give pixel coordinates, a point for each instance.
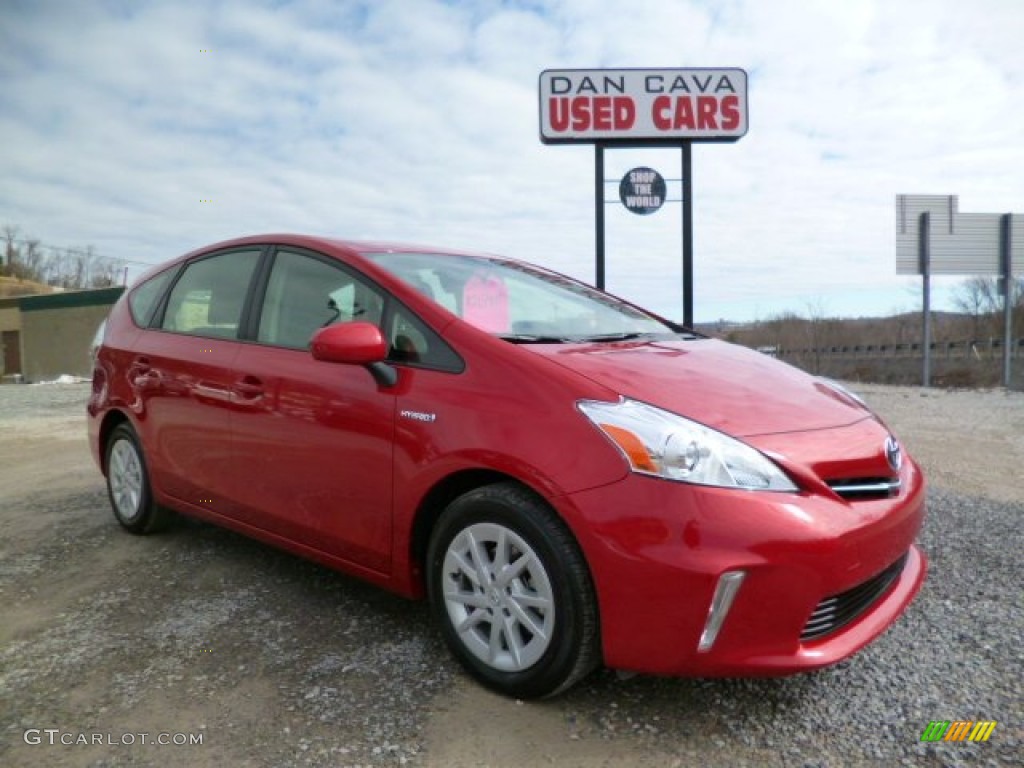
(253, 306)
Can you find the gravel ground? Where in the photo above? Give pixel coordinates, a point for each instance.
(274, 661)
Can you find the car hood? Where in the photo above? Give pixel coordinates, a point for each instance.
(724, 386)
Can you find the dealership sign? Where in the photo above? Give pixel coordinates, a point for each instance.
(646, 105)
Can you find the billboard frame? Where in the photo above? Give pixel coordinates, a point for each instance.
(960, 255)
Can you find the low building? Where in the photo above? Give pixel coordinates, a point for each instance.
(10, 337)
(48, 335)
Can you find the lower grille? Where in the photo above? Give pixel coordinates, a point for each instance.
(838, 610)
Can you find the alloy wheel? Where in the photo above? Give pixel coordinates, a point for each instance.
(498, 596)
(126, 481)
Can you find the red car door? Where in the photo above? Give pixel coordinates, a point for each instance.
(181, 373)
(313, 441)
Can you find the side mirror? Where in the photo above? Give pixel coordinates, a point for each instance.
(353, 343)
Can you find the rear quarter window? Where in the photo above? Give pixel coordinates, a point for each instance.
(145, 297)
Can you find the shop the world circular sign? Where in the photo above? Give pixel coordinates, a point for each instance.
(642, 190)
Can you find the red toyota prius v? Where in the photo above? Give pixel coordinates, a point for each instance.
(570, 480)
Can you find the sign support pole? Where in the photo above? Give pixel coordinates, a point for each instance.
(1006, 259)
(599, 216)
(687, 234)
(926, 293)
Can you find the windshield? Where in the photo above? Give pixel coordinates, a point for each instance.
(519, 302)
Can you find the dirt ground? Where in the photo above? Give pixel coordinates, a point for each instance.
(107, 619)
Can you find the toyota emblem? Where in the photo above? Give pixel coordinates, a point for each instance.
(893, 454)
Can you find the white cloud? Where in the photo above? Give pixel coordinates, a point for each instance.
(418, 121)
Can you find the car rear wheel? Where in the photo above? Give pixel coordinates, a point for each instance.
(512, 592)
(128, 483)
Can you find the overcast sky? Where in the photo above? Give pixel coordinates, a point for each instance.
(148, 129)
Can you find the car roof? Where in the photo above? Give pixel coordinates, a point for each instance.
(348, 248)
(335, 243)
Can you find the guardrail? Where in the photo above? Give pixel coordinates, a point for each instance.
(978, 349)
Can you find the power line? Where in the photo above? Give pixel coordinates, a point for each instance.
(67, 250)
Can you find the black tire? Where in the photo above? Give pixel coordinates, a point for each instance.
(532, 631)
(128, 486)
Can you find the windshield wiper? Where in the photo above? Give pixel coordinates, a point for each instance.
(626, 336)
(629, 336)
(526, 338)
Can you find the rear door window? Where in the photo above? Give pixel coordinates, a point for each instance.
(209, 297)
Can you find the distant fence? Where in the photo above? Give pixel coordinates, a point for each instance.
(967, 363)
(977, 349)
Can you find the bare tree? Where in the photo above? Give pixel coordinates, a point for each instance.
(106, 273)
(819, 329)
(32, 258)
(10, 234)
(11, 256)
(981, 299)
(69, 268)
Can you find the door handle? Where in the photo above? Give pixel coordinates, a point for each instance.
(247, 388)
(204, 389)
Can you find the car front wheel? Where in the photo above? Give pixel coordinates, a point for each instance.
(512, 592)
(128, 483)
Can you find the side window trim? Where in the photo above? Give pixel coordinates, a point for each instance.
(253, 306)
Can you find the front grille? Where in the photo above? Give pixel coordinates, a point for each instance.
(862, 488)
(838, 610)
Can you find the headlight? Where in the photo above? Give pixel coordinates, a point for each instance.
(659, 443)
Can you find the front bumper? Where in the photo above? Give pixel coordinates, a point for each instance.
(658, 550)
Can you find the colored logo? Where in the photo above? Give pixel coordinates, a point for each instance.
(958, 730)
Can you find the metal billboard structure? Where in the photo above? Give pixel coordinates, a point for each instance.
(934, 238)
(618, 108)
